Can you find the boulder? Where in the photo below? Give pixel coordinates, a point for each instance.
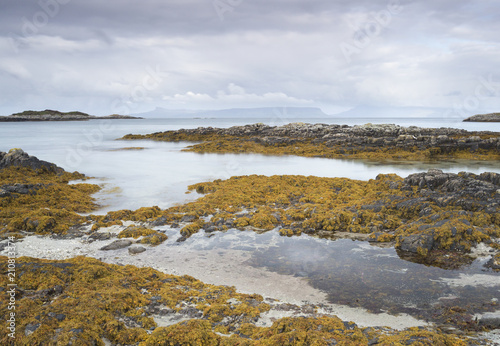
(136, 249)
(17, 157)
(117, 244)
(411, 243)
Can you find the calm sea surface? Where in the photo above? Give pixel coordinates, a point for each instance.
(160, 174)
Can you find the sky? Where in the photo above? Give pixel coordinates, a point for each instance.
(129, 56)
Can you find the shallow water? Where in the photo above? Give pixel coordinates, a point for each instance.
(351, 273)
(160, 173)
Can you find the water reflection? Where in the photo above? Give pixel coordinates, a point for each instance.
(357, 274)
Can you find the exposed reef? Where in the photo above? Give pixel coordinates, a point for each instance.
(486, 118)
(83, 301)
(35, 196)
(53, 115)
(373, 142)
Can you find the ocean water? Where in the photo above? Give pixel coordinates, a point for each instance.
(160, 173)
(351, 273)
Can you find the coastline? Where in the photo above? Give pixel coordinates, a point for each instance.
(148, 228)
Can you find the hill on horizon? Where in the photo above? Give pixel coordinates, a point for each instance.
(260, 112)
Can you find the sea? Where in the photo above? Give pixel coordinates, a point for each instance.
(160, 173)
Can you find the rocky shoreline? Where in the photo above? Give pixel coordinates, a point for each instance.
(486, 118)
(373, 142)
(433, 217)
(52, 115)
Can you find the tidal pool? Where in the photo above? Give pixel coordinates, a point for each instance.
(358, 274)
(366, 284)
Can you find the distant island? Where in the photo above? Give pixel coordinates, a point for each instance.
(52, 115)
(487, 118)
(276, 113)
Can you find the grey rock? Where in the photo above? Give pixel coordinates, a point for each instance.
(188, 218)
(59, 317)
(17, 157)
(100, 236)
(31, 328)
(411, 243)
(136, 249)
(117, 244)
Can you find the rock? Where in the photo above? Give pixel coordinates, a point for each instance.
(188, 218)
(59, 317)
(117, 244)
(31, 328)
(493, 263)
(161, 221)
(136, 249)
(17, 157)
(411, 243)
(99, 236)
(490, 320)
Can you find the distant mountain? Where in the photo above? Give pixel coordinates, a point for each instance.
(263, 112)
(391, 112)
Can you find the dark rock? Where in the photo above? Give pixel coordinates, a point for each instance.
(493, 264)
(188, 218)
(59, 317)
(411, 243)
(161, 221)
(191, 312)
(117, 244)
(181, 239)
(17, 157)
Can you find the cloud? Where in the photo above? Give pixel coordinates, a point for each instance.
(233, 96)
(87, 54)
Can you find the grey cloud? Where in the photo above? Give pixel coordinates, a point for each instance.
(93, 52)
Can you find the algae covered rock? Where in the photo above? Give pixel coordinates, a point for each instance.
(378, 142)
(35, 196)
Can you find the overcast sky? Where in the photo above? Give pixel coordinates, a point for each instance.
(129, 56)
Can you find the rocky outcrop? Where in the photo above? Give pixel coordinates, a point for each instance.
(491, 117)
(22, 189)
(467, 192)
(17, 157)
(339, 139)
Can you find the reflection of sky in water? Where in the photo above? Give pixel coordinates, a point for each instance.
(160, 174)
(354, 272)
